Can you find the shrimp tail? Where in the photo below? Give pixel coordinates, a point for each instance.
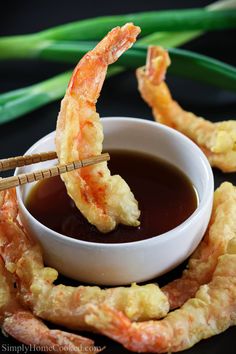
(158, 61)
(27, 329)
(107, 52)
(217, 140)
(22, 325)
(118, 327)
(109, 322)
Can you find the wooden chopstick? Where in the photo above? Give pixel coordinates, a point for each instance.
(14, 181)
(18, 161)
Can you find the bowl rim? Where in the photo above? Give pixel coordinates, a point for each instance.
(206, 197)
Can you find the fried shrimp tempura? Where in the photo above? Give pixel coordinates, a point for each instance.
(103, 199)
(210, 312)
(202, 263)
(22, 325)
(66, 305)
(217, 140)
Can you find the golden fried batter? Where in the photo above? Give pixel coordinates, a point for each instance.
(61, 304)
(211, 312)
(22, 325)
(217, 140)
(103, 199)
(202, 263)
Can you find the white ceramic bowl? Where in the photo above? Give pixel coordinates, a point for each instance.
(116, 264)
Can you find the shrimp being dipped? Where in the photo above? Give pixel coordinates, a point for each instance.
(202, 263)
(217, 140)
(211, 312)
(22, 325)
(66, 305)
(103, 199)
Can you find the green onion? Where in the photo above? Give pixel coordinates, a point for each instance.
(170, 20)
(169, 39)
(33, 97)
(19, 102)
(13, 95)
(48, 49)
(15, 103)
(202, 68)
(28, 46)
(184, 63)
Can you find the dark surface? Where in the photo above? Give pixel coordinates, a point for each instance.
(119, 97)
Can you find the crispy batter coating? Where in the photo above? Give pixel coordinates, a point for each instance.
(210, 312)
(22, 325)
(67, 305)
(103, 199)
(217, 140)
(202, 263)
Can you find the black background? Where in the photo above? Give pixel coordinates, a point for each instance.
(119, 96)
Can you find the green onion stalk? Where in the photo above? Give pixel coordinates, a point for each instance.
(190, 23)
(202, 19)
(19, 102)
(51, 45)
(184, 63)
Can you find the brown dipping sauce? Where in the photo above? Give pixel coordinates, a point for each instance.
(166, 198)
